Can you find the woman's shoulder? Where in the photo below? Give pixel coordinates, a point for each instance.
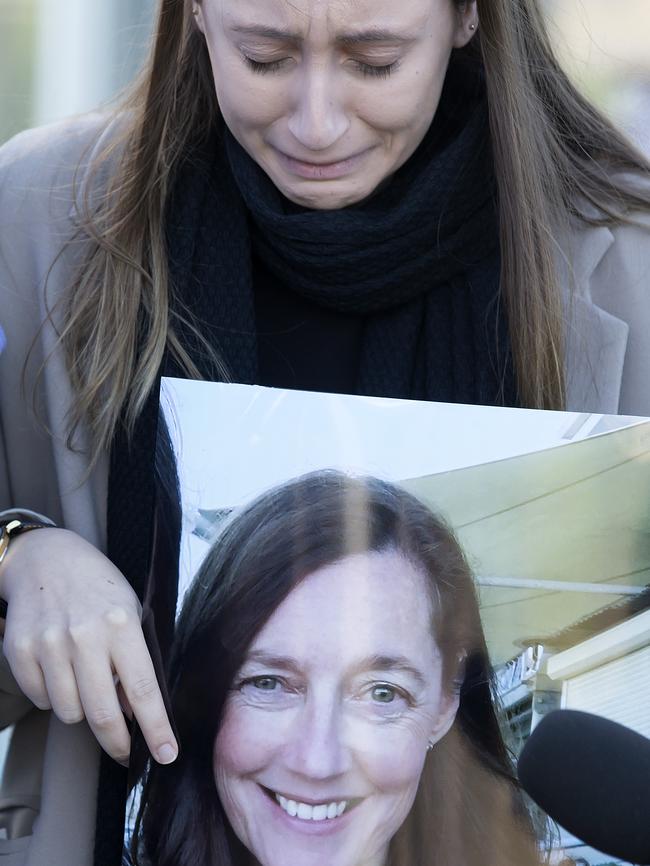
(42, 178)
(50, 161)
(61, 140)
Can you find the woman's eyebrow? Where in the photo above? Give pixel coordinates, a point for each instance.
(388, 663)
(374, 662)
(374, 35)
(266, 32)
(356, 37)
(273, 660)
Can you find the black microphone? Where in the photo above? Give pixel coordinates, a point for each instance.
(592, 776)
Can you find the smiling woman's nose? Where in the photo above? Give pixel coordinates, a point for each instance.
(316, 748)
(318, 118)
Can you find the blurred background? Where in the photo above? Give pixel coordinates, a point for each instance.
(61, 58)
(54, 63)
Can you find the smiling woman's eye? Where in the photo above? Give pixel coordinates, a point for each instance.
(268, 690)
(265, 684)
(384, 694)
(385, 700)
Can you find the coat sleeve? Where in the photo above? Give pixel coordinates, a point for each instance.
(35, 225)
(51, 769)
(39, 256)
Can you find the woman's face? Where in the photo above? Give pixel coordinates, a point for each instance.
(326, 727)
(331, 97)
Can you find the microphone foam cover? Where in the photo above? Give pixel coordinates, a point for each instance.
(592, 776)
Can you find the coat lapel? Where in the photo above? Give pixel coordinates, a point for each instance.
(595, 339)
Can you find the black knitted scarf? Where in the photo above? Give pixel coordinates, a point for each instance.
(419, 260)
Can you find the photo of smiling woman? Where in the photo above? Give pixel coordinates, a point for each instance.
(385, 198)
(331, 689)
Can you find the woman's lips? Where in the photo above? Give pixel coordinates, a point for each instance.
(321, 170)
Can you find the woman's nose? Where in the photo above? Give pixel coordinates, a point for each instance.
(318, 119)
(316, 747)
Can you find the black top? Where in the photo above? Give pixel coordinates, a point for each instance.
(302, 345)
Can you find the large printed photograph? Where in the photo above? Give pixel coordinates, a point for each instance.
(379, 601)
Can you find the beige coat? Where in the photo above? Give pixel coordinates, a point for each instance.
(608, 367)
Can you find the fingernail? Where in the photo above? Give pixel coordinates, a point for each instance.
(167, 754)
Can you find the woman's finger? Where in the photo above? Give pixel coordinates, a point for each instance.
(26, 669)
(61, 688)
(135, 670)
(101, 706)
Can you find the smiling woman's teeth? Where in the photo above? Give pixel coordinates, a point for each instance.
(311, 813)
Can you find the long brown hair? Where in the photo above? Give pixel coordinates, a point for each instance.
(555, 157)
(468, 810)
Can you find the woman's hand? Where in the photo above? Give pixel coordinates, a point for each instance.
(72, 630)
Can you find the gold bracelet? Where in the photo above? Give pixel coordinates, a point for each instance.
(10, 527)
(13, 528)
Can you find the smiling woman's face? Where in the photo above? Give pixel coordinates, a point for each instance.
(326, 728)
(331, 97)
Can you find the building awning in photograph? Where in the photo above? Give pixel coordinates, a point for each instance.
(553, 536)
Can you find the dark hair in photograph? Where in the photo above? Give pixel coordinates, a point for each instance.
(468, 811)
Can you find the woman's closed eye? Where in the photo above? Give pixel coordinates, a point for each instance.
(378, 70)
(266, 66)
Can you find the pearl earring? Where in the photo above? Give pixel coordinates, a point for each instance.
(429, 746)
(472, 26)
